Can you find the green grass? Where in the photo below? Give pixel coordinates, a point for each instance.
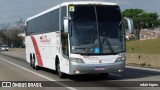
(151, 46)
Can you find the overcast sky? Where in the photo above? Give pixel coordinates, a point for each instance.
(14, 10)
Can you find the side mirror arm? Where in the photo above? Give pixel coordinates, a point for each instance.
(130, 24)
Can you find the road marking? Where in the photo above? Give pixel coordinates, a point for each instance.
(141, 68)
(50, 79)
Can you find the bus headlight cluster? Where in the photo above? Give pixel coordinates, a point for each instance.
(121, 57)
(77, 60)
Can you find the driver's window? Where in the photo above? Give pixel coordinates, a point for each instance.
(64, 40)
(64, 36)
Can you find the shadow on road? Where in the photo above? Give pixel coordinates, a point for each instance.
(128, 74)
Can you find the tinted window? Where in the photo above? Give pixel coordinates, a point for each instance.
(63, 14)
(45, 23)
(95, 29)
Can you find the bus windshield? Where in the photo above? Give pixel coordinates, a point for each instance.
(96, 29)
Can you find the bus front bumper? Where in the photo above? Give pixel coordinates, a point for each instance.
(79, 68)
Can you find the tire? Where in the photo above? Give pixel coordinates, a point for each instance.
(33, 63)
(60, 74)
(34, 66)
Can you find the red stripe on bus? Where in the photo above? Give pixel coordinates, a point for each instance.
(38, 54)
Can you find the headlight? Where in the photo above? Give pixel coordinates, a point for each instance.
(77, 60)
(121, 57)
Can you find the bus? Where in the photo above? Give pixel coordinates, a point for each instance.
(78, 37)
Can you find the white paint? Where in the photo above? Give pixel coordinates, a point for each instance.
(50, 79)
(141, 68)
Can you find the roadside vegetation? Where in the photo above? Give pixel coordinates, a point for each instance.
(151, 46)
(143, 53)
(10, 36)
(142, 20)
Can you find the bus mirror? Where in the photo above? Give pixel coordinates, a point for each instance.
(129, 24)
(66, 21)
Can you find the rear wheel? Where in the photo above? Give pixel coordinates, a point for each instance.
(34, 66)
(30, 60)
(33, 63)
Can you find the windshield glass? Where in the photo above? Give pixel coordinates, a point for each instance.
(96, 30)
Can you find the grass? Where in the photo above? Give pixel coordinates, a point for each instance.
(151, 46)
(143, 64)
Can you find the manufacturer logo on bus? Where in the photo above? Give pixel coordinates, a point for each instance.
(44, 39)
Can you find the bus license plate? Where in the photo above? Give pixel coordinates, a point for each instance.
(99, 68)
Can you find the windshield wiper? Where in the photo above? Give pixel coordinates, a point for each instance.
(109, 44)
(90, 43)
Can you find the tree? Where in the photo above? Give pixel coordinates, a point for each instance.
(159, 22)
(141, 19)
(11, 37)
(3, 36)
(14, 38)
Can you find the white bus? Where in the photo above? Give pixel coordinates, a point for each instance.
(81, 37)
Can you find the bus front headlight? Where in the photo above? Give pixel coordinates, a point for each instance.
(77, 60)
(121, 57)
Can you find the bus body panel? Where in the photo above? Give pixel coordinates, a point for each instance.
(97, 64)
(49, 48)
(96, 68)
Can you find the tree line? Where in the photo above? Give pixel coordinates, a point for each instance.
(142, 20)
(10, 37)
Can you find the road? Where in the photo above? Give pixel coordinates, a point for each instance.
(13, 67)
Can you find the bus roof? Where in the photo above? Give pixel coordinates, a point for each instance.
(70, 3)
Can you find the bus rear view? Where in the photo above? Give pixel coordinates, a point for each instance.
(92, 38)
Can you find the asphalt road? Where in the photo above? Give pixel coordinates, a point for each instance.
(13, 67)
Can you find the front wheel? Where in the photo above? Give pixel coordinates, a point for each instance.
(61, 75)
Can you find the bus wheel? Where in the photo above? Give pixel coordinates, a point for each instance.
(61, 75)
(33, 63)
(30, 60)
(34, 66)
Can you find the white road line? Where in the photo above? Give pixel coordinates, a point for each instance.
(50, 79)
(141, 68)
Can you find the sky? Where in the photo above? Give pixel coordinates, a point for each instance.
(14, 10)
